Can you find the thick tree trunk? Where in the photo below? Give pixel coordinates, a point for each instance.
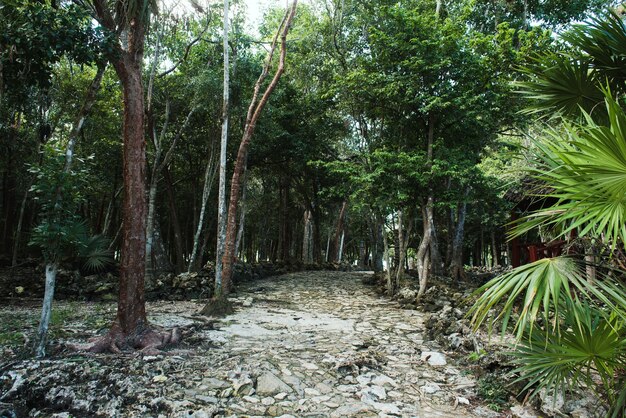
(131, 311)
(254, 112)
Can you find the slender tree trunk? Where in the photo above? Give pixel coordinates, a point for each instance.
(284, 234)
(400, 250)
(18, 229)
(307, 250)
(254, 112)
(242, 214)
(494, 250)
(456, 264)
(423, 252)
(339, 229)
(340, 252)
(46, 311)
(221, 211)
(178, 240)
(388, 261)
(209, 176)
(52, 264)
(378, 247)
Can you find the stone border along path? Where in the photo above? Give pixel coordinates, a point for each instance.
(322, 344)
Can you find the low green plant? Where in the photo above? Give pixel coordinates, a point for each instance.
(492, 389)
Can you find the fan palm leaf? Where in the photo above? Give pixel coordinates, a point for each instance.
(534, 291)
(592, 346)
(585, 167)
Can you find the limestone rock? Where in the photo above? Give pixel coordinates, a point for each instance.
(269, 384)
(434, 358)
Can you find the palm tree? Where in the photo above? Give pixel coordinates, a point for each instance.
(572, 330)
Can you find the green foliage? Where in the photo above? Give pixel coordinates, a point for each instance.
(574, 79)
(492, 389)
(34, 36)
(592, 345)
(60, 233)
(570, 327)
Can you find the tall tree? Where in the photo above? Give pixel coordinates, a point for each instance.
(221, 211)
(254, 113)
(128, 20)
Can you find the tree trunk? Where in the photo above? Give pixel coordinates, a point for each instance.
(339, 229)
(209, 177)
(423, 252)
(495, 254)
(131, 311)
(456, 265)
(221, 211)
(400, 251)
(378, 246)
(178, 240)
(46, 310)
(307, 250)
(387, 260)
(254, 112)
(242, 214)
(284, 234)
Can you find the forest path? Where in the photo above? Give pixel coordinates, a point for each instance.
(323, 344)
(308, 344)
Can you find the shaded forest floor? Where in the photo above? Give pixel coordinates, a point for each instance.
(317, 344)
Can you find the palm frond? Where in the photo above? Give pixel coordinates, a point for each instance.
(586, 169)
(591, 346)
(603, 40)
(535, 290)
(95, 254)
(565, 87)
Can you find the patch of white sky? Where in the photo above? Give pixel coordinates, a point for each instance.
(254, 9)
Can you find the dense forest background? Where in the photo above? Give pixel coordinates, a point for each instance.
(391, 128)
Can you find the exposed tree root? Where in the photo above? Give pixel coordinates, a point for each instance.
(219, 306)
(149, 340)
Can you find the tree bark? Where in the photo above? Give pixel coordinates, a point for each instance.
(456, 265)
(423, 252)
(221, 211)
(209, 176)
(46, 310)
(254, 112)
(178, 235)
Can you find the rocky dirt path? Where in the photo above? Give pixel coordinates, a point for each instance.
(310, 344)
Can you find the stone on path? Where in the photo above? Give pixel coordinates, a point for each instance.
(269, 384)
(434, 358)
